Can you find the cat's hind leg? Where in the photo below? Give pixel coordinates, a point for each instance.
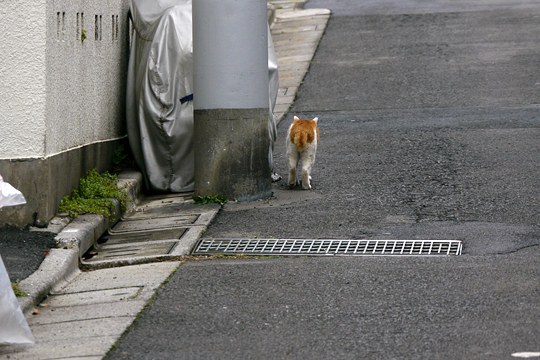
(308, 158)
(293, 163)
(306, 180)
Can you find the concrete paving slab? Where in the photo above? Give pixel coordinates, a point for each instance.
(169, 234)
(298, 67)
(85, 317)
(287, 40)
(287, 4)
(284, 100)
(291, 80)
(186, 208)
(147, 275)
(91, 348)
(72, 330)
(112, 248)
(163, 200)
(129, 250)
(59, 266)
(291, 90)
(278, 30)
(134, 260)
(295, 58)
(282, 108)
(95, 297)
(282, 14)
(149, 213)
(153, 224)
(161, 207)
(51, 314)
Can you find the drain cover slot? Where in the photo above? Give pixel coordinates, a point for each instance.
(134, 237)
(328, 247)
(151, 224)
(117, 252)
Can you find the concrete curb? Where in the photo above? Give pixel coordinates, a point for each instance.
(59, 265)
(82, 233)
(73, 240)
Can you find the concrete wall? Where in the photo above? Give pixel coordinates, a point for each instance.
(62, 71)
(23, 44)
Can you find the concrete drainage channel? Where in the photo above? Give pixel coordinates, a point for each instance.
(167, 228)
(170, 227)
(159, 229)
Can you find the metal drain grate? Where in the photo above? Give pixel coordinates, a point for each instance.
(327, 247)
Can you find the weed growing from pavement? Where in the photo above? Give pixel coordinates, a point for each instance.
(96, 195)
(210, 199)
(123, 157)
(231, 257)
(18, 292)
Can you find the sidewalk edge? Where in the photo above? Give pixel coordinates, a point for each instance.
(73, 241)
(59, 265)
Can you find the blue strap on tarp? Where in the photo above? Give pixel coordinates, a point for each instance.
(186, 98)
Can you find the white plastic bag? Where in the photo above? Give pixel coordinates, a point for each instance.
(13, 326)
(9, 196)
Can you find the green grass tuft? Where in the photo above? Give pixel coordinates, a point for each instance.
(210, 199)
(95, 195)
(18, 292)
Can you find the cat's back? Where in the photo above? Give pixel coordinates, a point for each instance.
(303, 133)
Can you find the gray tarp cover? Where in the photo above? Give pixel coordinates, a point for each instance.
(159, 109)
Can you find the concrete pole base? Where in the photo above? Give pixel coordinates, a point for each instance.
(231, 152)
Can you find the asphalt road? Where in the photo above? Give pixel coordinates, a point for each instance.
(23, 251)
(430, 129)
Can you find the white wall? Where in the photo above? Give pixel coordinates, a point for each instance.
(22, 78)
(58, 92)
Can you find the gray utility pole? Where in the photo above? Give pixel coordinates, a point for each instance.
(230, 82)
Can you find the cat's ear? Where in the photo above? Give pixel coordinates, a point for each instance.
(296, 118)
(316, 119)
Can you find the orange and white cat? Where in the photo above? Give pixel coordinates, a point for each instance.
(302, 139)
